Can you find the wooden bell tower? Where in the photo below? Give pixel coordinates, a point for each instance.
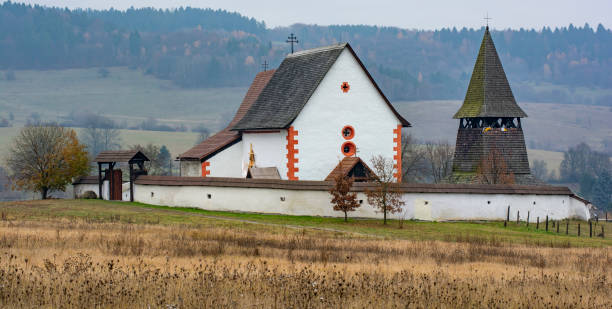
(490, 124)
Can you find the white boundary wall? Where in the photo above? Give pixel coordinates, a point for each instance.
(421, 206)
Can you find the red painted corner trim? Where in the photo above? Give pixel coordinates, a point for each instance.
(397, 148)
(291, 154)
(205, 169)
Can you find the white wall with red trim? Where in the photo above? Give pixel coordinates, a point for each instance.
(320, 123)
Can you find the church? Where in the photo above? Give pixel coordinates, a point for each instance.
(320, 114)
(302, 120)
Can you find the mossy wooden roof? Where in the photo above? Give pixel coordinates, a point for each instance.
(489, 93)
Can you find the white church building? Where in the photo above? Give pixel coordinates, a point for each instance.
(319, 114)
(299, 121)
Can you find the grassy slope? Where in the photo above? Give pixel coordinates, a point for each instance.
(489, 232)
(124, 95)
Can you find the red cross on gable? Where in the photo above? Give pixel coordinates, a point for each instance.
(345, 87)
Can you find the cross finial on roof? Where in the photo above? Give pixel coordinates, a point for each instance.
(292, 39)
(487, 18)
(264, 65)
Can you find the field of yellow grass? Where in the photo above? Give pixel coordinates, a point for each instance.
(94, 254)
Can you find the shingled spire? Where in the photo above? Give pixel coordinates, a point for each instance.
(490, 129)
(489, 93)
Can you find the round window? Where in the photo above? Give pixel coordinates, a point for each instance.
(348, 132)
(348, 149)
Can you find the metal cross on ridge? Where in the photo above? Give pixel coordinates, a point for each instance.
(487, 18)
(292, 39)
(264, 65)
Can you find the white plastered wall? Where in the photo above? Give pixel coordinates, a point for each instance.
(420, 206)
(191, 168)
(320, 123)
(270, 150)
(226, 163)
(454, 206)
(80, 189)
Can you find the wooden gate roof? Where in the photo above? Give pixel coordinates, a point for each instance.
(110, 156)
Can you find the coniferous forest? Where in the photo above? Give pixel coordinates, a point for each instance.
(215, 48)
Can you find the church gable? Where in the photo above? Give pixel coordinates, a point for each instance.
(292, 86)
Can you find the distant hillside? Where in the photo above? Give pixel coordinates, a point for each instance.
(197, 48)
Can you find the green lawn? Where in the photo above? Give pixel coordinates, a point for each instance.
(479, 232)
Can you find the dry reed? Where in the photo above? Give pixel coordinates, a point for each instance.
(60, 263)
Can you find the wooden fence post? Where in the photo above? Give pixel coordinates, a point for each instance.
(507, 216)
(537, 223)
(547, 223)
(602, 232)
(518, 215)
(558, 223)
(567, 227)
(590, 228)
(528, 218)
(578, 229)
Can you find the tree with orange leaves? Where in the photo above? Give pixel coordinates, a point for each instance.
(387, 195)
(343, 199)
(46, 158)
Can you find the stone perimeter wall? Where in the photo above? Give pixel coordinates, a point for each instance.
(420, 206)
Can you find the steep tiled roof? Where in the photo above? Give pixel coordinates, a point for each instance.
(263, 173)
(227, 137)
(291, 87)
(86, 180)
(489, 93)
(119, 156)
(345, 166)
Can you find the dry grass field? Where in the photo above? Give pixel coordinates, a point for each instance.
(121, 255)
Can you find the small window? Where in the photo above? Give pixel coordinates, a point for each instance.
(533, 202)
(488, 202)
(209, 196)
(348, 132)
(348, 149)
(345, 87)
(152, 194)
(360, 201)
(282, 198)
(426, 203)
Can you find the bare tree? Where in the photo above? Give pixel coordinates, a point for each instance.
(100, 136)
(493, 169)
(45, 158)
(414, 165)
(439, 157)
(387, 195)
(203, 133)
(539, 170)
(343, 199)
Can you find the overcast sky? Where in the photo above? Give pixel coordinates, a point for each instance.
(423, 14)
